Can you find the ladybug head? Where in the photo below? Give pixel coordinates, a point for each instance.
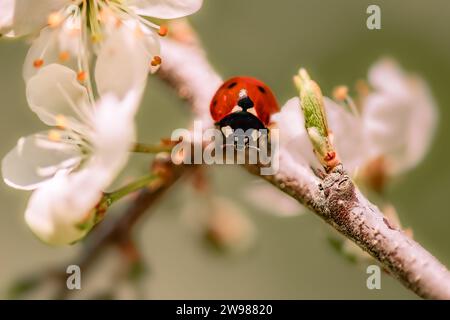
(241, 126)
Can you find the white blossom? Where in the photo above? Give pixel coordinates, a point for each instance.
(78, 158)
(62, 210)
(399, 117)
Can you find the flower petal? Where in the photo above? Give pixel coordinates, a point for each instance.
(165, 9)
(292, 133)
(123, 60)
(53, 92)
(387, 76)
(399, 117)
(32, 162)
(401, 131)
(290, 120)
(21, 17)
(114, 132)
(62, 211)
(347, 135)
(54, 45)
(7, 16)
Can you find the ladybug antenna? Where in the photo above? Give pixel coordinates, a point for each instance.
(244, 101)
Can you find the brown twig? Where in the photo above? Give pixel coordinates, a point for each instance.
(118, 229)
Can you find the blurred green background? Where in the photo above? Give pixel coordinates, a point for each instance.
(269, 40)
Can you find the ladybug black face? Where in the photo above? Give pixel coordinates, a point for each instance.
(240, 128)
(241, 120)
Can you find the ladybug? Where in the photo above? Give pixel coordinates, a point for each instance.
(243, 103)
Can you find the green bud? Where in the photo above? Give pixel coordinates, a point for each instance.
(315, 119)
(312, 103)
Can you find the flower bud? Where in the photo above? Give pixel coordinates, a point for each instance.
(228, 228)
(315, 120)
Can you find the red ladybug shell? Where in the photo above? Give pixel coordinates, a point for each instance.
(227, 96)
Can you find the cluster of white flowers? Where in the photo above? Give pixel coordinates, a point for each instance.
(71, 164)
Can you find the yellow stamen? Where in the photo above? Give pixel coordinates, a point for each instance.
(163, 30)
(340, 93)
(38, 63)
(54, 135)
(54, 19)
(96, 37)
(156, 61)
(81, 76)
(61, 121)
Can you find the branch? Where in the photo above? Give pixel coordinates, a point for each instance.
(335, 199)
(187, 70)
(118, 229)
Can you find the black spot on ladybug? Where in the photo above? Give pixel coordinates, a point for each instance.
(232, 85)
(261, 89)
(214, 103)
